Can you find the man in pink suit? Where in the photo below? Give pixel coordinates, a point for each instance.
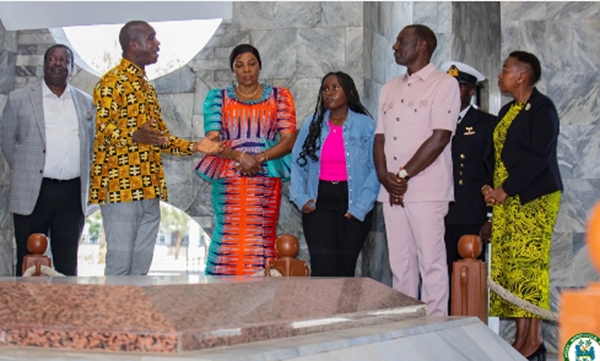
(416, 120)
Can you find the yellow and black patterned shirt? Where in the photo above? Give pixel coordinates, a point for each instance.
(122, 169)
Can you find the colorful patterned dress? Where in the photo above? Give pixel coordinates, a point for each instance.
(521, 236)
(246, 208)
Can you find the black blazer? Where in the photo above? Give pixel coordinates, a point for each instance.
(529, 152)
(472, 170)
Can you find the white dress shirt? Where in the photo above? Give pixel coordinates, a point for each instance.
(62, 135)
(463, 113)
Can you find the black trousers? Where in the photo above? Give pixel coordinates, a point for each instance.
(57, 214)
(334, 242)
(452, 236)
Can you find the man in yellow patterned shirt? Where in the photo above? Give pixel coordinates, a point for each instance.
(127, 177)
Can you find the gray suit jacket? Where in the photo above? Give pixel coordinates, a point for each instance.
(23, 135)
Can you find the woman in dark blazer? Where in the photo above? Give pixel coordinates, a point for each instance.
(526, 199)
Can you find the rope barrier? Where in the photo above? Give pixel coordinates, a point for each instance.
(527, 306)
(272, 273)
(45, 270)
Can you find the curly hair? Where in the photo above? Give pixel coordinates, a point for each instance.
(310, 146)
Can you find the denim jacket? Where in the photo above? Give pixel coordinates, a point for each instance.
(363, 186)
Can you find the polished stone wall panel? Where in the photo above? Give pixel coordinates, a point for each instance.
(342, 14)
(253, 15)
(571, 10)
(294, 14)
(279, 52)
(320, 51)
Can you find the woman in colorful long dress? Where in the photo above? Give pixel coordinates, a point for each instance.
(257, 123)
(526, 199)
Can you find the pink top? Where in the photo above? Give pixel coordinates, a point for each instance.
(410, 108)
(333, 156)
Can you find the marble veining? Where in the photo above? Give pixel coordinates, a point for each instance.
(296, 14)
(7, 250)
(179, 175)
(200, 92)
(341, 14)
(6, 219)
(354, 55)
(575, 105)
(253, 15)
(305, 91)
(572, 10)
(177, 110)
(84, 81)
(523, 11)
(561, 258)
(181, 80)
(320, 51)
(8, 60)
(279, 51)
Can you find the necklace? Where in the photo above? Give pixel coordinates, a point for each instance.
(237, 87)
(334, 126)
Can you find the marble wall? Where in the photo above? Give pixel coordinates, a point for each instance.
(563, 36)
(299, 44)
(8, 57)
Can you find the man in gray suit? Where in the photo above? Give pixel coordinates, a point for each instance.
(47, 136)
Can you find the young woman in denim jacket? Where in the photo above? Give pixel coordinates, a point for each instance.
(334, 181)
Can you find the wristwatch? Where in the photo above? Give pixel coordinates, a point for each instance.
(403, 174)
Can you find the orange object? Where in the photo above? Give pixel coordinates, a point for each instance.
(469, 280)
(37, 244)
(580, 310)
(287, 264)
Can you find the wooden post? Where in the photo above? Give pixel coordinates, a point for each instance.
(37, 244)
(469, 280)
(287, 264)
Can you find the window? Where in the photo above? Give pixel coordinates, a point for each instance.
(98, 45)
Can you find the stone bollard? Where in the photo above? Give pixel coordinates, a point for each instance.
(287, 264)
(579, 315)
(469, 280)
(37, 244)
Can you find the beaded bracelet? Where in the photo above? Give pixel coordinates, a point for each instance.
(266, 156)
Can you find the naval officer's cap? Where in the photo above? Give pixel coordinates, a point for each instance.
(465, 74)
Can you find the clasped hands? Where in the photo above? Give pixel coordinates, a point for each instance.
(396, 187)
(250, 165)
(493, 196)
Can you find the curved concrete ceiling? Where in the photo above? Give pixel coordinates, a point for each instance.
(25, 15)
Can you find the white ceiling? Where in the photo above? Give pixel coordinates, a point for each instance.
(25, 15)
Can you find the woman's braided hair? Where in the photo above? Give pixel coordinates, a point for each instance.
(310, 146)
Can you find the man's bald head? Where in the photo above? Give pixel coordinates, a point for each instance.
(132, 31)
(139, 44)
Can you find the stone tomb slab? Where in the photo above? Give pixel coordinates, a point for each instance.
(178, 314)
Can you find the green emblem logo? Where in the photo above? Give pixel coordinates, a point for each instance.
(582, 347)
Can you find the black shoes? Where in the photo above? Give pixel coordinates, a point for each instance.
(539, 354)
